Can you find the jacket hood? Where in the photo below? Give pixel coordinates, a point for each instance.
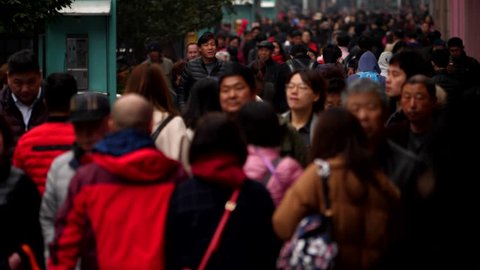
(383, 62)
(224, 169)
(132, 155)
(368, 62)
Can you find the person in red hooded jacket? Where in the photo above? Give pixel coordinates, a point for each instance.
(117, 205)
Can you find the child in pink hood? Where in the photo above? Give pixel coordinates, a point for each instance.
(264, 162)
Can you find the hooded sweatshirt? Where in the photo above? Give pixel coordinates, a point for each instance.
(119, 203)
(368, 68)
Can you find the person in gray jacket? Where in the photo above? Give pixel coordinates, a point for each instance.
(89, 113)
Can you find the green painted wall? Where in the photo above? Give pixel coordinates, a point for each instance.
(241, 12)
(95, 27)
(102, 43)
(112, 53)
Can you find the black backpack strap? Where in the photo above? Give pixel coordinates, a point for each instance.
(311, 65)
(161, 126)
(290, 65)
(300, 64)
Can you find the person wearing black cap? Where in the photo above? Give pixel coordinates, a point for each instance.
(89, 114)
(464, 68)
(265, 70)
(154, 55)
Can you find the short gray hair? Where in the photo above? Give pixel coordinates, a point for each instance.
(363, 86)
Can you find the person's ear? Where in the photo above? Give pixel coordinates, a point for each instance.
(111, 125)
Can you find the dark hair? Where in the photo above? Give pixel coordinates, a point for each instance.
(233, 51)
(235, 69)
(331, 71)
(59, 90)
(365, 43)
(203, 99)
(343, 40)
(3, 75)
(411, 62)
(455, 42)
(295, 33)
(317, 83)
(297, 50)
(22, 62)
(338, 132)
(399, 46)
(336, 85)
(154, 46)
(441, 58)
(260, 124)
(7, 134)
(399, 33)
(237, 38)
(331, 53)
(426, 81)
(217, 133)
(178, 68)
(205, 37)
(149, 81)
(282, 51)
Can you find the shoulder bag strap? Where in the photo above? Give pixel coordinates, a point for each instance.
(323, 170)
(230, 206)
(161, 126)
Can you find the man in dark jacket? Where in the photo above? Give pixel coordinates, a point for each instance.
(464, 68)
(265, 71)
(368, 102)
(119, 202)
(204, 66)
(20, 234)
(21, 102)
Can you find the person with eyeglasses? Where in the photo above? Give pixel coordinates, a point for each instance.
(305, 94)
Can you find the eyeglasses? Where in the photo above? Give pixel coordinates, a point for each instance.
(300, 86)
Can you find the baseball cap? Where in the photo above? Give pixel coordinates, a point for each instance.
(89, 106)
(154, 46)
(266, 44)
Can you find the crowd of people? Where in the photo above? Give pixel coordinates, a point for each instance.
(241, 125)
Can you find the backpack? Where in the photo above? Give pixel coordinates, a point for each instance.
(311, 246)
(295, 64)
(369, 75)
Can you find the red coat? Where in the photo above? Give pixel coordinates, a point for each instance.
(119, 203)
(37, 148)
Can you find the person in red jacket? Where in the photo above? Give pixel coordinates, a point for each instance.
(119, 202)
(37, 148)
